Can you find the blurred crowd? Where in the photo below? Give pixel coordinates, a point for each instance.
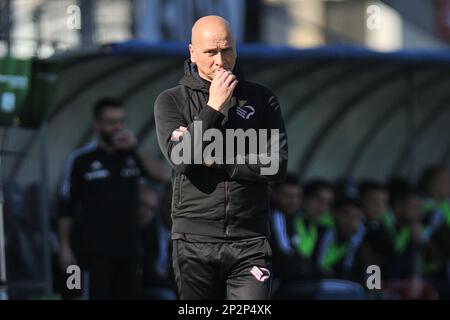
(365, 240)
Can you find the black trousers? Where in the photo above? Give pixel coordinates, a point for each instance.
(223, 270)
(112, 278)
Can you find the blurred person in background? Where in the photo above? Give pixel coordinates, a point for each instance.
(286, 201)
(337, 250)
(157, 278)
(318, 197)
(435, 187)
(98, 227)
(405, 229)
(403, 271)
(339, 245)
(296, 235)
(343, 187)
(378, 246)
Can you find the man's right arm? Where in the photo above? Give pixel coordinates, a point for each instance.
(67, 200)
(168, 118)
(67, 257)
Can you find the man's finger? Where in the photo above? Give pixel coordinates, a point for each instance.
(223, 76)
(230, 79)
(227, 74)
(219, 73)
(177, 133)
(233, 84)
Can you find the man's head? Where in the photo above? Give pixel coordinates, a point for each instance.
(404, 200)
(318, 196)
(109, 118)
(406, 206)
(288, 194)
(348, 216)
(374, 198)
(435, 182)
(212, 47)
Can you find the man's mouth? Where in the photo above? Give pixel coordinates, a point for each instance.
(226, 69)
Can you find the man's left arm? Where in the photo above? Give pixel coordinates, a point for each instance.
(269, 166)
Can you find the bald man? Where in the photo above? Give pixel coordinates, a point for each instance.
(220, 206)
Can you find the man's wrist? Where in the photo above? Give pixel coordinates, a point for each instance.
(214, 106)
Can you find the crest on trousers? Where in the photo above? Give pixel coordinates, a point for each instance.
(261, 274)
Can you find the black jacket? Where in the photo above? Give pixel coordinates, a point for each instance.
(100, 193)
(222, 200)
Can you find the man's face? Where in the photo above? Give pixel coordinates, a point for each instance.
(289, 198)
(440, 187)
(412, 209)
(213, 51)
(375, 203)
(348, 220)
(110, 122)
(317, 205)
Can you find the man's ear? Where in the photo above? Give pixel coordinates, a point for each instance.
(191, 51)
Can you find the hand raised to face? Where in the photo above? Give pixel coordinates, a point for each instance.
(221, 89)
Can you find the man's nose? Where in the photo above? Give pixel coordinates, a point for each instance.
(219, 59)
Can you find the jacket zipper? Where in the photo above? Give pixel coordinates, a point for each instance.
(180, 181)
(227, 200)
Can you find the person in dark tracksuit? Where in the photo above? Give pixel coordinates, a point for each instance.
(98, 223)
(220, 209)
